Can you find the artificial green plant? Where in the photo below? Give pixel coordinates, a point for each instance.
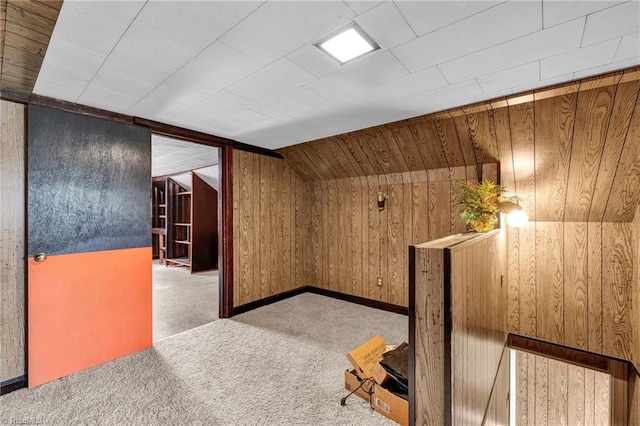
(481, 202)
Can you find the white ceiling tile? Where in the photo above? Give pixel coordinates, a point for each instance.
(428, 100)
(115, 14)
(106, 99)
(170, 99)
(155, 46)
(539, 45)
(496, 25)
(284, 75)
(229, 101)
(580, 59)
(71, 57)
(205, 110)
(408, 85)
(314, 60)
(301, 98)
(135, 67)
(275, 109)
(558, 11)
(362, 74)
(86, 33)
(58, 89)
(517, 76)
(215, 68)
(224, 127)
(543, 83)
(198, 23)
(285, 26)
(612, 23)
(386, 26)
(427, 16)
(361, 6)
(254, 89)
(119, 83)
(629, 48)
(614, 66)
(249, 117)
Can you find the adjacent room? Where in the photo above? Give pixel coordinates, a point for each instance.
(184, 206)
(340, 212)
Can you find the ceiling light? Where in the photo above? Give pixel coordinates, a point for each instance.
(347, 44)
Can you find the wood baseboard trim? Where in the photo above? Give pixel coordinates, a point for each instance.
(13, 385)
(323, 292)
(397, 309)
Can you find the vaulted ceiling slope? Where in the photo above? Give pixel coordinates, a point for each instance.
(25, 29)
(570, 152)
(248, 70)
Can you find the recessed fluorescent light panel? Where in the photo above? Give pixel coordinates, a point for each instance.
(347, 44)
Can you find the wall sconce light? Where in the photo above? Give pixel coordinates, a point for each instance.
(516, 217)
(382, 197)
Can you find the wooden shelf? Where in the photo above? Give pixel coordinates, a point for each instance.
(182, 224)
(184, 261)
(184, 193)
(182, 242)
(162, 205)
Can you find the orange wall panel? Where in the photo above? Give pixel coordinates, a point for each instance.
(85, 309)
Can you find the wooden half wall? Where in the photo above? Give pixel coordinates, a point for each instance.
(271, 211)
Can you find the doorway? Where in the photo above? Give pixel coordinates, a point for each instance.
(186, 182)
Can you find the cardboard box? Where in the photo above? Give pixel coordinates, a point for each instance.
(366, 356)
(379, 374)
(383, 401)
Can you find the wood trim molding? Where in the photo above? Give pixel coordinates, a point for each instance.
(566, 354)
(412, 333)
(323, 292)
(225, 230)
(13, 385)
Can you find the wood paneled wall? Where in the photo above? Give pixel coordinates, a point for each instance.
(25, 30)
(550, 392)
(570, 152)
(12, 231)
(571, 283)
(271, 211)
(353, 244)
(460, 329)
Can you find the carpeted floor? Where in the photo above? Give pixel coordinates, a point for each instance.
(281, 364)
(182, 301)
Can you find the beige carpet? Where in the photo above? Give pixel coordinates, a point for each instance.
(182, 301)
(282, 364)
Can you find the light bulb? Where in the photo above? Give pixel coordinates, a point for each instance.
(517, 218)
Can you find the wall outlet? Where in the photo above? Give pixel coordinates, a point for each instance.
(379, 282)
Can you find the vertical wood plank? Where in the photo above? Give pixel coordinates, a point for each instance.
(549, 282)
(383, 242)
(373, 246)
(618, 127)
(558, 393)
(364, 239)
(407, 231)
(407, 145)
(263, 229)
(521, 120)
(395, 234)
(527, 298)
(356, 236)
(439, 199)
(625, 191)
(594, 287)
(592, 115)
(576, 308)
(420, 206)
(617, 276)
(332, 234)
(542, 391)
(12, 228)
(554, 135)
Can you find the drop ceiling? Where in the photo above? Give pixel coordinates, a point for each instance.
(248, 70)
(170, 156)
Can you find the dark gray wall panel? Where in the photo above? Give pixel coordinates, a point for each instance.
(89, 183)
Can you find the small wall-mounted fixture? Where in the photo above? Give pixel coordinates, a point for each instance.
(517, 218)
(382, 197)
